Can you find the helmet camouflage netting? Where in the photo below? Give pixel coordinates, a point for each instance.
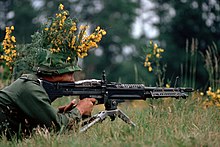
(55, 48)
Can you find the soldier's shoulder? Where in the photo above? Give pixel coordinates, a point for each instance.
(29, 77)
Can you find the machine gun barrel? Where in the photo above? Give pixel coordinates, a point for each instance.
(160, 92)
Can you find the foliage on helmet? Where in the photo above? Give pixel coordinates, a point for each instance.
(58, 44)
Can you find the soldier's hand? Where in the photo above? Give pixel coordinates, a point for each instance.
(68, 107)
(85, 106)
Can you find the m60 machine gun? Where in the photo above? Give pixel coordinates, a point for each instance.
(110, 94)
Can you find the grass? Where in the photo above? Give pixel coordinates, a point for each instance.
(171, 123)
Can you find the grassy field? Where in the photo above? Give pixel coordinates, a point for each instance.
(166, 123)
(172, 122)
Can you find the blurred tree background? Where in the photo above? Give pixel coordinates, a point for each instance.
(184, 20)
(129, 25)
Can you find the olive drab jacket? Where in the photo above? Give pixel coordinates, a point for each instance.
(25, 104)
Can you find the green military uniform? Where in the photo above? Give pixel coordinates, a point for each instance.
(25, 104)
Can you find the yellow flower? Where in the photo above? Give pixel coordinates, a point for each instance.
(201, 93)
(155, 46)
(83, 27)
(65, 13)
(61, 6)
(103, 32)
(73, 28)
(209, 93)
(9, 47)
(149, 55)
(161, 50)
(12, 28)
(146, 59)
(68, 58)
(62, 35)
(58, 15)
(150, 68)
(145, 64)
(167, 85)
(13, 38)
(158, 55)
(98, 28)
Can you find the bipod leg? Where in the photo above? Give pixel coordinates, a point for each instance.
(103, 114)
(96, 118)
(125, 118)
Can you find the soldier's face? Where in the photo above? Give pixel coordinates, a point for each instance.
(67, 77)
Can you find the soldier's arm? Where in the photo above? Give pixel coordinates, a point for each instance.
(34, 102)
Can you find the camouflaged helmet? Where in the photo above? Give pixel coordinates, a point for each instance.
(56, 47)
(60, 43)
(48, 63)
(45, 70)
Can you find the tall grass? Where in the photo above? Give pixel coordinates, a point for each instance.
(188, 69)
(174, 123)
(212, 65)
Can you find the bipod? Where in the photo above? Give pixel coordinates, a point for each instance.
(103, 115)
